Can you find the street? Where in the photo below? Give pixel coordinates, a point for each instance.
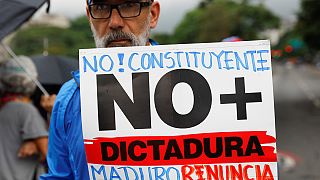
(297, 108)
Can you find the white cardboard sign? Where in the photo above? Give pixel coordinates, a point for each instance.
(195, 111)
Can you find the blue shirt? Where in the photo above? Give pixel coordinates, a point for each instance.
(66, 155)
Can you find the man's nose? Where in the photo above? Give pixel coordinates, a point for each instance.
(116, 21)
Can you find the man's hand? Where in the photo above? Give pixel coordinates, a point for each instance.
(47, 102)
(28, 148)
(38, 146)
(42, 145)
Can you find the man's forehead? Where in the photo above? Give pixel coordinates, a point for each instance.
(111, 1)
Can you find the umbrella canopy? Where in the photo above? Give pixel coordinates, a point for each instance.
(54, 70)
(15, 12)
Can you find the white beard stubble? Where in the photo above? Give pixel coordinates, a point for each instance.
(140, 40)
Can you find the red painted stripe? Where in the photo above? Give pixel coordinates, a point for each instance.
(94, 156)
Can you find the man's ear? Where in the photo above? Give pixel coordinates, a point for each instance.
(155, 13)
(88, 13)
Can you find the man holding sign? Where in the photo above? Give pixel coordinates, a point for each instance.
(197, 111)
(115, 23)
(193, 111)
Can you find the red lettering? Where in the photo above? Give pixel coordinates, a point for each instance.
(236, 174)
(267, 173)
(221, 172)
(199, 172)
(258, 172)
(187, 175)
(227, 172)
(245, 172)
(211, 173)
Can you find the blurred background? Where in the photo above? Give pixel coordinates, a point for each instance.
(293, 26)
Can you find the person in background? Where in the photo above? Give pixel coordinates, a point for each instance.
(24, 136)
(47, 103)
(114, 23)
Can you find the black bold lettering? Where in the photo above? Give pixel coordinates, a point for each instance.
(155, 148)
(187, 148)
(104, 151)
(123, 151)
(137, 111)
(131, 150)
(233, 144)
(173, 150)
(207, 147)
(254, 142)
(202, 98)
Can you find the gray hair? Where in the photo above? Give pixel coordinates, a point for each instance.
(14, 78)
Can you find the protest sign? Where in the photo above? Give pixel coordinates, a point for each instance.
(195, 111)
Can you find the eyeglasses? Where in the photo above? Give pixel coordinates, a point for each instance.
(125, 10)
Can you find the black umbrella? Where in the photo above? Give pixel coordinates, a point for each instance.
(54, 70)
(15, 12)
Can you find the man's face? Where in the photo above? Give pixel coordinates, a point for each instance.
(120, 32)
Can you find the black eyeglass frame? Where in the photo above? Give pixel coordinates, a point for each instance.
(115, 6)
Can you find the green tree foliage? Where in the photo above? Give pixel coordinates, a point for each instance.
(188, 30)
(163, 38)
(251, 20)
(294, 41)
(308, 23)
(214, 20)
(30, 41)
(82, 31)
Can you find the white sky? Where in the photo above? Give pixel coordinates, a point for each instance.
(173, 11)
